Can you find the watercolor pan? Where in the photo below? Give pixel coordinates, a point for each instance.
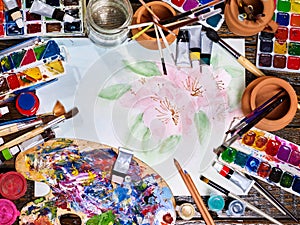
(36, 25)
(267, 157)
(281, 51)
(182, 6)
(22, 67)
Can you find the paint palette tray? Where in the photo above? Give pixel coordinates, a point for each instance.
(36, 25)
(267, 157)
(22, 67)
(281, 51)
(215, 22)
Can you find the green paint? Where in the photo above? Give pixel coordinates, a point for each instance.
(106, 218)
(39, 51)
(286, 180)
(294, 48)
(203, 125)
(169, 144)
(139, 130)
(144, 68)
(229, 155)
(114, 92)
(283, 5)
(241, 159)
(17, 57)
(6, 63)
(6, 154)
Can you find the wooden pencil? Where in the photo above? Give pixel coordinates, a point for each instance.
(195, 194)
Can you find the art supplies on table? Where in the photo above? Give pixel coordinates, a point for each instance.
(281, 51)
(79, 175)
(31, 63)
(34, 24)
(266, 157)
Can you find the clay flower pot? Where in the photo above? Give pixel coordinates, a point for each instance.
(250, 27)
(262, 89)
(163, 11)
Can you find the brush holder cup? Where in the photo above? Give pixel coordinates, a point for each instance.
(148, 39)
(239, 21)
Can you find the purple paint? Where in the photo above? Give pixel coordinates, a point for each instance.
(190, 4)
(284, 153)
(295, 158)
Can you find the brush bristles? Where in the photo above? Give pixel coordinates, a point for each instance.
(73, 112)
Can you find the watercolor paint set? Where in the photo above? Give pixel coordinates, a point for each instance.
(22, 67)
(267, 157)
(281, 51)
(183, 6)
(38, 25)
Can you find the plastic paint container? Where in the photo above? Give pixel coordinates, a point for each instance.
(13, 185)
(27, 103)
(186, 211)
(236, 208)
(8, 212)
(216, 203)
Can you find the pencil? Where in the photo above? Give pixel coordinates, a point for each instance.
(195, 194)
(160, 51)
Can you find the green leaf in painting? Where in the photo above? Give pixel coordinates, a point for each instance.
(203, 125)
(144, 68)
(114, 92)
(139, 130)
(169, 143)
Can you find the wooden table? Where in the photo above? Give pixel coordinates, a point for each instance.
(291, 133)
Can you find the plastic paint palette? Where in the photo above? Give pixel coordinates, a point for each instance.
(267, 157)
(182, 6)
(281, 51)
(36, 25)
(29, 66)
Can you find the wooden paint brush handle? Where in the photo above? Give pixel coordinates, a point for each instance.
(9, 130)
(250, 66)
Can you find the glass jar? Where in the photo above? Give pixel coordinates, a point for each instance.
(105, 19)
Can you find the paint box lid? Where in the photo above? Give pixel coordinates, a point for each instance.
(27, 103)
(13, 185)
(8, 212)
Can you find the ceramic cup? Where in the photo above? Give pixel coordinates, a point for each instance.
(262, 89)
(163, 11)
(247, 27)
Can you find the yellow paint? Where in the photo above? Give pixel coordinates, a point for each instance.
(34, 73)
(295, 6)
(280, 48)
(55, 67)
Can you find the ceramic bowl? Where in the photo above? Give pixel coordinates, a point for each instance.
(262, 89)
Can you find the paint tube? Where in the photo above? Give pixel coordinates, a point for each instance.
(206, 47)
(182, 50)
(241, 181)
(195, 42)
(14, 12)
(44, 9)
(121, 166)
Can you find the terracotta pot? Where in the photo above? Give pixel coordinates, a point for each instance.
(163, 11)
(249, 27)
(262, 89)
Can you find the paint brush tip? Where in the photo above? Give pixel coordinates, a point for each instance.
(73, 112)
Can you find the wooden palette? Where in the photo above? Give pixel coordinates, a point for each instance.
(79, 171)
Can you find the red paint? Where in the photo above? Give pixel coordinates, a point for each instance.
(264, 169)
(293, 63)
(1, 16)
(168, 218)
(295, 34)
(1, 30)
(249, 138)
(28, 58)
(261, 141)
(34, 28)
(13, 81)
(272, 147)
(295, 20)
(282, 33)
(178, 3)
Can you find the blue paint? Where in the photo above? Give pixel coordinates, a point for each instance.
(52, 50)
(266, 45)
(283, 19)
(252, 164)
(296, 184)
(214, 20)
(12, 29)
(241, 159)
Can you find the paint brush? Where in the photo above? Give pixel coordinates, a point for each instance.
(195, 194)
(192, 11)
(140, 33)
(149, 10)
(135, 26)
(247, 204)
(160, 50)
(263, 191)
(213, 35)
(40, 129)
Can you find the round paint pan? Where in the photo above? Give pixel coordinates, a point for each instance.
(13, 185)
(8, 212)
(27, 103)
(283, 114)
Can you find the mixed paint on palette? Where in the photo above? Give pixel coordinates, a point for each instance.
(37, 25)
(267, 156)
(281, 51)
(80, 179)
(24, 67)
